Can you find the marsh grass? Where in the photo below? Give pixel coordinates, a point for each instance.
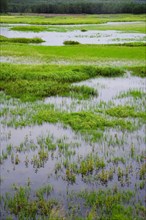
(70, 42)
(36, 82)
(125, 111)
(138, 71)
(109, 150)
(80, 54)
(29, 28)
(40, 28)
(136, 94)
(21, 205)
(86, 19)
(35, 40)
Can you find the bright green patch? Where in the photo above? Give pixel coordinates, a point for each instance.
(111, 205)
(124, 112)
(102, 55)
(81, 121)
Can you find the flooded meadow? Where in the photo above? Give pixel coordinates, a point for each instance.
(72, 136)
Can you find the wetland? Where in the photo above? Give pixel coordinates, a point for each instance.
(73, 118)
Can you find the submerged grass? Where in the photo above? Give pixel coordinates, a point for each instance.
(99, 204)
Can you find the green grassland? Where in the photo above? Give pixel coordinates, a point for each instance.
(82, 19)
(79, 54)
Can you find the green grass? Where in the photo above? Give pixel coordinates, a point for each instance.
(35, 40)
(111, 205)
(136, 94)
(29, 28)
(40, 28)
(137, 27)
(125, 111)
(100, 54)
(101, 204)
(29, 82)
(85, 122)
(138, 71)
(24, 208)
(80, 19)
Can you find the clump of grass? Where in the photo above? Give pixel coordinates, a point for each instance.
(142, 172)
(22, 206)
(109, 204)
(81, 121)
(83, 30)
(35, 40)
(44, 190)
(70, 176)
(136, 94)
(138, 71)
(70, 42)
(124, 112)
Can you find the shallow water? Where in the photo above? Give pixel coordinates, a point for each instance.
(107, 147)
(107, 89)
(88, 37)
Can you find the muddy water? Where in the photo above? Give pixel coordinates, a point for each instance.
(88, 37)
